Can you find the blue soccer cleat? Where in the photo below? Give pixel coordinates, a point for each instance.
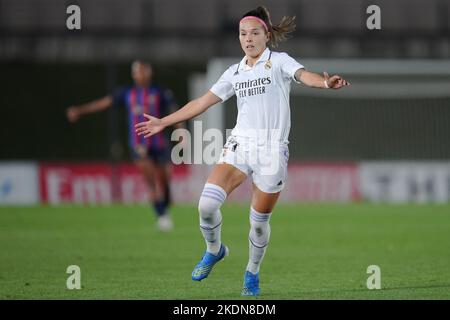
(204, 267)
(251, 285)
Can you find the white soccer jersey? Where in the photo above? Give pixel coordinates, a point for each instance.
(262, 93)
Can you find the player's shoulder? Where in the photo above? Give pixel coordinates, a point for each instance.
(232, 69)
(280, 56)
(234, 66)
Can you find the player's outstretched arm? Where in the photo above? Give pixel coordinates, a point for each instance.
(74, 113)
(189, 111)
(316, 80)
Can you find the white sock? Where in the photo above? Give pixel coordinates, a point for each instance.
(210, 217)
(258, 239)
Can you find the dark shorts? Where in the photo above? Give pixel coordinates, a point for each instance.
(158, 155)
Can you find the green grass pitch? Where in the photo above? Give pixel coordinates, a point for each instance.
(317, 251)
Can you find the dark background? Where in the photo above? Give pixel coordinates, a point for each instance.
(45, 68)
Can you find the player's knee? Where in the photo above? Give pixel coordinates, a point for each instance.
(207, 206)
(211, 200)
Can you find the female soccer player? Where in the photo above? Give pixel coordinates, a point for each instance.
(258, 143)
(152, 156)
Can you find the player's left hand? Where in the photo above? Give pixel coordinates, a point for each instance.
(335, 82)
(150, 127)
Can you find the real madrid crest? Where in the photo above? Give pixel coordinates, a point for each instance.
(268, 64)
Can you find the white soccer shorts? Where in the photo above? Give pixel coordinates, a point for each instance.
(266, 162)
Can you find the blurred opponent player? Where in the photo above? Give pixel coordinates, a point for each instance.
(152, 156)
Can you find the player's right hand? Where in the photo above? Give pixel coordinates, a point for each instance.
(150, 127)
(72, 114)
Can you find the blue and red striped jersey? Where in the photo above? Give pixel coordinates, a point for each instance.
(153, 100)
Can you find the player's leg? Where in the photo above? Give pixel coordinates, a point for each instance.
(155, 169)
(162, 186)
(167, 176)
(146, 167)
(163, 176)
(269, 178)
(222, 181)
(260, 211)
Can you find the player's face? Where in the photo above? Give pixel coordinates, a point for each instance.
(141, 74)
(253, 38)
